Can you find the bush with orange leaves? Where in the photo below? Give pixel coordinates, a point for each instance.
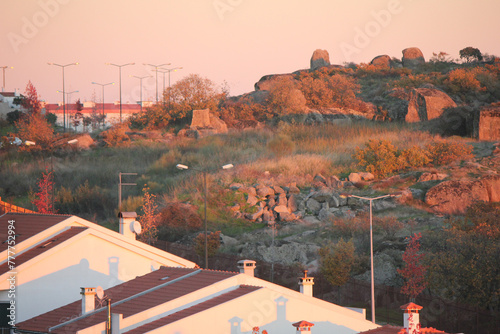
(34, 127)
(116, 135)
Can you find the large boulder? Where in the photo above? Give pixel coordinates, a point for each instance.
(492, 184)
(207, 123)
(319, 59)
(453, 197)
(426, 104)
(267, 81)
(487, 126)
(412, 57)
(382, 61)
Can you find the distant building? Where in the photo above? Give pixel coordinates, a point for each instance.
(7, 103)
(90, 109)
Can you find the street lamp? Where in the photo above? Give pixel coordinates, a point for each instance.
(103, 85)
(169, 70)
(3, 70)
(120, 71)
(140, 79)
(184, 167)
(156, 70)
(371, 242)
(69, 99)
(64, 95)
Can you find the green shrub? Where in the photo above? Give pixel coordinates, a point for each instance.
(379, 157)
(444, 153)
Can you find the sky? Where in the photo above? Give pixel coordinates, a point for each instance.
(227, 41)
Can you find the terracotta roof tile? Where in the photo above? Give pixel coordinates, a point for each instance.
(26, 225)
(240, 291)
(386, 329)
(131, 297)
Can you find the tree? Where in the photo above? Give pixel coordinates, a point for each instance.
(337, 261)
(414, 270)
(213, 243)
(470, 54)
(285, 97)
(77, 118)
(192, 92)
(30, 101)
(149, 218)
(44, 197)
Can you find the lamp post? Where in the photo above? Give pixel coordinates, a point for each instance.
(69, 99)
(140, 79)
(184, 167)
(371, 242)
(64, 94)
(156, 70)
(103, 85)
(3, 70)
(120, 83)
(169, 70)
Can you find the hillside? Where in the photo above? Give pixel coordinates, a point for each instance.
(299, 143)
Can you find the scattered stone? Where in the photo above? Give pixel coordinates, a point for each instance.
(252, 200)
(235, 186)
(354, 178)
(432, 177)
(264, 191)
(235, 208)
(282, 200)
(256, 215)
(365, 176)
(313, 205)
(287, 216)
(279, 190)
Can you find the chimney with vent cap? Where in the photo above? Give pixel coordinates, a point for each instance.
(88, 299)
(247, 267)
(127, 220)
(411, 317)
(306, 284)
(303, 326)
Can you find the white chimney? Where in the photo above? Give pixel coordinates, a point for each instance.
(303, 326)
(411, 317)
(306, 284)
(246, 267)
(88, 299)
(127, 220)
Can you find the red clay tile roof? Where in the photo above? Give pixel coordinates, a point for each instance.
(108, 108)
(389, 329)
(240, 291)
(26, 225)
(303, 323)
(411, 306)
(131, 297)
(8, 94)
(35, 251)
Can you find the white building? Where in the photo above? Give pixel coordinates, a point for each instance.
(190, 300)
(52, 256)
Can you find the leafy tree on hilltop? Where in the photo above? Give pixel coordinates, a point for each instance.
(470, 54)
(337, 261)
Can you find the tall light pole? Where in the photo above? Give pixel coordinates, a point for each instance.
(371, 243)
(156, 70)
(3, 70)
(184, 167)
(103, 85)
(64, 94)
(140, 79)
(69, 98)
(120, 71)
(169, 70)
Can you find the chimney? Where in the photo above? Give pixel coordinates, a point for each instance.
(411, 317)
(303, 326)
(88, 299)
(246, 267)
(127, 220)
(306, 284)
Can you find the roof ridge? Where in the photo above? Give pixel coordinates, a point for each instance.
(37, 214)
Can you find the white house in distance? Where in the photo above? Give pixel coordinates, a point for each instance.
(191, 300)
(55, 255)
(7, 103)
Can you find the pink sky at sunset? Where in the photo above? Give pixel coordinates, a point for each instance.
(237, 41)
